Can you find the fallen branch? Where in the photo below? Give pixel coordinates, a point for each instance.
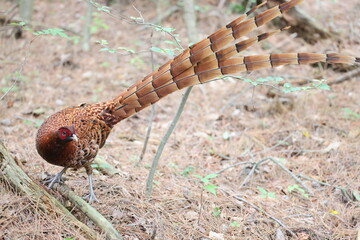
(89, 211)
(17, 178)
(345, 77)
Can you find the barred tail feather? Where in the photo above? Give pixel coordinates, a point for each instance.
(210, 70)
(213, 57)
(207, 47)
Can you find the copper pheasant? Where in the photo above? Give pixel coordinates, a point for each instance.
(72, 137)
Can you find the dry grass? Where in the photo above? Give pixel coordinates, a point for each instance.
(322, 142)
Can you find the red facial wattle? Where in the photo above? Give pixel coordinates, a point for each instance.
(64, 133)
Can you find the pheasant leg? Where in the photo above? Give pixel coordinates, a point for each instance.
(56, 179)
(91, 196)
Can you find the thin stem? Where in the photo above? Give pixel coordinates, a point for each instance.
(163, 142)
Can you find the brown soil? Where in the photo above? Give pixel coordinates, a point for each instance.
(312, 133)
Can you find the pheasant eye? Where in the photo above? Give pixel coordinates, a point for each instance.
(64, 133)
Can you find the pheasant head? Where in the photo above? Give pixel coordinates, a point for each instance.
(55, 146)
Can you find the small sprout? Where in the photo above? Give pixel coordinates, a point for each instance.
(235, 224)
(102, 42)
(206, 181)
(172, 165)
(356, 196)
(350, 114)
(298, 188)
(266, 194)
(187, 171)
(211, 188)
(216, 212)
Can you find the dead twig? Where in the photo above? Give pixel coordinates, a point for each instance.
(260, 210)
(345, 77)
(293, 176)
(343, 190)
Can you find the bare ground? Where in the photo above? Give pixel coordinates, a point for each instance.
(313, 133)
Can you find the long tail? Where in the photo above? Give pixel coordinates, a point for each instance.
(212, 57)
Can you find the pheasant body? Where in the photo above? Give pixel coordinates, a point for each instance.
(72, 137)
(90, 126)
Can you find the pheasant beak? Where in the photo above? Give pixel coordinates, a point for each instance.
(74, 137)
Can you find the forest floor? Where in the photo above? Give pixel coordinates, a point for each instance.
(245, 132)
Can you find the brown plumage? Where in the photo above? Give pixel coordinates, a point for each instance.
(72, 137)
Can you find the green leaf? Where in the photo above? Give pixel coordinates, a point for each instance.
(291, 188)
(104, 9)
(262, 190)
(266, 194)
(211, 188)
(216, 212)
(287, 85)
(356, 196)
(324, 86)
(187, 171)
(9, 89)
(35, 123)
(168, 29)
(205, 180)
(53, 32)
(105, 64)
(102, 42)
(235, 224)
(271, 194)
(299, 189)
(156, 49)
(126, 49)
(197, 176)
(137, 19)
(350, 114)
(136, 60)
(212, 175)
(170, 42)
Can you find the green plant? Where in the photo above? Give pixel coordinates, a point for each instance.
(34, 122)
(350, 114)
(236, 7)
(216, 212)
(235, 224)
(265, 194)
(50, 31)
(211, 188)
(356, 196)
(315, 84)
(97, 24)
(187, 171)
(296, 187)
